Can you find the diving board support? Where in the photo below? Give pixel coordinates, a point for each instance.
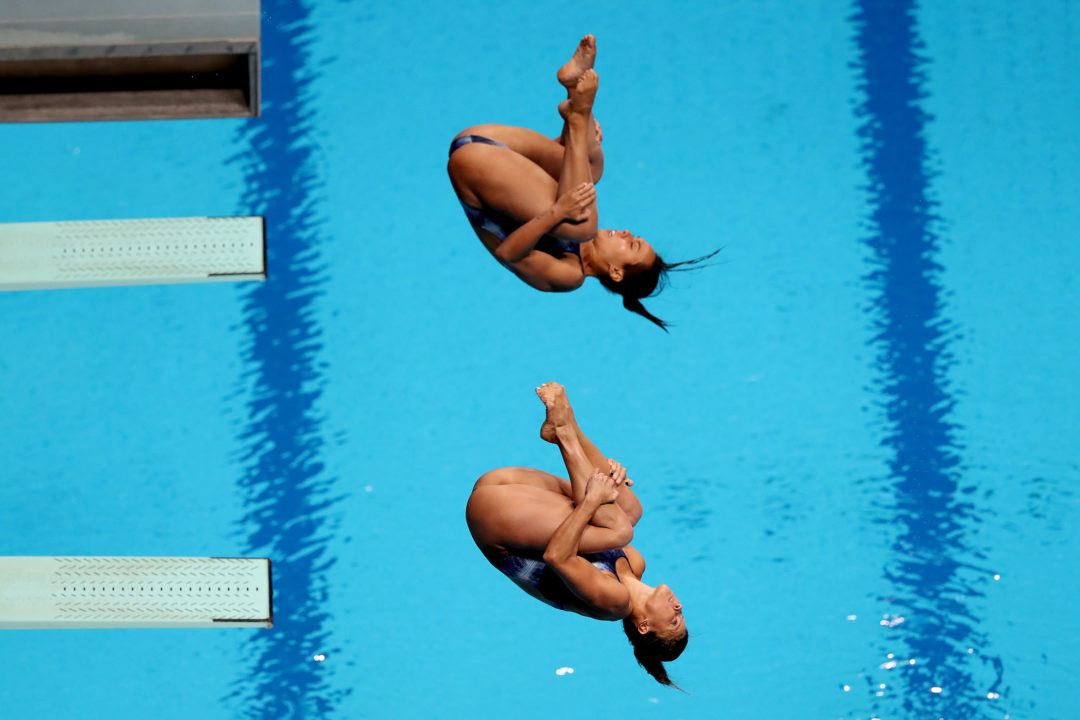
(39, 593)
(81, 60)
(94, 253)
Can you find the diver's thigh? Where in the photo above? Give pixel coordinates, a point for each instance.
(515, 516)
(538, 148)
(502, 180)
(524, 518)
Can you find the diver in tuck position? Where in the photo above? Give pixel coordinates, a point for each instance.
(532, 200)
(567, 543)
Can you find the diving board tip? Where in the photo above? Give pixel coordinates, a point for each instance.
(134, 592)
(97, 253)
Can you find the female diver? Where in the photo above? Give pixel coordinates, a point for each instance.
(567, 543)
(532, 202)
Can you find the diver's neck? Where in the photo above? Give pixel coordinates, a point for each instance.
(589, 261)
(639, 591)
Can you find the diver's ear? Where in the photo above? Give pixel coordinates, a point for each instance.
(616, 273)
(643, 627)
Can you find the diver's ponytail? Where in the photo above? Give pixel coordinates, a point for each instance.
(634, 305)
(652, 651)
(655, 668)
(648, 282)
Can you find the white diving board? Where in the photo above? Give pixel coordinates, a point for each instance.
(94, 253)
(134, 592)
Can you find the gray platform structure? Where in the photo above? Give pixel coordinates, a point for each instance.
(134, 592)
(128, 59)
(131, 252)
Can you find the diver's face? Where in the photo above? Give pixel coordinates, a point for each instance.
(664, 613)
(623, 250)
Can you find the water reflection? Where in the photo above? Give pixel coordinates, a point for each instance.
(934, 660)
(287, 491)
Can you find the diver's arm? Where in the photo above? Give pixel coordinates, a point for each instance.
(521, 242)
(574, 206)
(548, 273)
(599, 590)
(564, 542)
(563, 545)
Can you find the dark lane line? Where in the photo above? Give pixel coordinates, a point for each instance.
(287, 491)
(933, 572)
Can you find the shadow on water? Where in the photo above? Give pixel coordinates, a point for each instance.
(287, 492)
(934, 573)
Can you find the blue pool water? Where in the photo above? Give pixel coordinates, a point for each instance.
(853, 449)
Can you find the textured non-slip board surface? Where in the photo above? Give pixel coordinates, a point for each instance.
(129, 252)
(106, 592)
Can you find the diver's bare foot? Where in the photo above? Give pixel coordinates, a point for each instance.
(547, 432)
(583, 58)
(584, 94)
(559, 415)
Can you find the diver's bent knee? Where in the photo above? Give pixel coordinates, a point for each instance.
(581, 233)
(498, 476)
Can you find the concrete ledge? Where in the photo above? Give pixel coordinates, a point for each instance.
(128, 59)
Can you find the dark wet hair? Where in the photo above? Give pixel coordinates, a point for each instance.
(648, 282)
(652, 651)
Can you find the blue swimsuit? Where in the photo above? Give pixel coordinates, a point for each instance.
(500, 227)
(539, 580)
